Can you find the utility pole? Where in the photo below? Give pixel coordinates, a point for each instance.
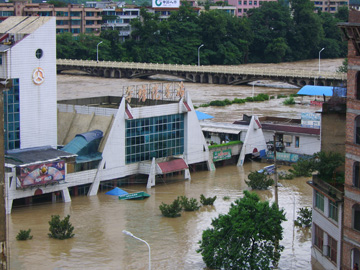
(275, 263)
(3, 229)
(275, 173)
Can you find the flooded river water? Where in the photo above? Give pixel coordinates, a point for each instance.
(99, 220)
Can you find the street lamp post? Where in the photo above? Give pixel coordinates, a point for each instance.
(319, 57)
(130, 234)
(199, 53)
(97, 51)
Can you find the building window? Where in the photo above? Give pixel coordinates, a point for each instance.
(357, 130)
(297, 142)
(239, 3)
(356, 217)
(12, 116)
(319, 201)
(333, 210)
(319, 237)
(358, 85)
(255, 3)
(1, 57)
(245, 3)
(356, 174)
(39, 53)
(157, 137)
(332, 249)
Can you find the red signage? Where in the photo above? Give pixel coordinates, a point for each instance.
(41, 174)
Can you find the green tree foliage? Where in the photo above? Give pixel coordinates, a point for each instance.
(171, 210)
(303, 167)
(307, 31)
(189, 204)
(259, 180)
(271, 25)
(24, 235)
(304, 218)
(327, 163)
(60, 229)
(207, 200)
(270, 33)
(246, 237)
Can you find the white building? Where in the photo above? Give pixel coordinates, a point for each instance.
(28, 74)
(327, 224)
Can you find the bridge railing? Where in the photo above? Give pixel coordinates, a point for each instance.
(236, 70)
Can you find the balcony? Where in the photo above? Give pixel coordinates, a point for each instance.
(332, 191)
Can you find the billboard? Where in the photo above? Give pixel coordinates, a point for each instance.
(165, 3)
(221, 155)
(40, 174)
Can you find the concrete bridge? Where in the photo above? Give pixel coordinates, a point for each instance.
(203, 74)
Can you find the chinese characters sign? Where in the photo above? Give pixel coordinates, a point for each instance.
(157, 91)
(165, 3)
(222, 155)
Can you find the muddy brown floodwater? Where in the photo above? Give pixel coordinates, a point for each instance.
(99, 220)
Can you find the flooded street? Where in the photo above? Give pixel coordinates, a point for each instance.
(99, 220)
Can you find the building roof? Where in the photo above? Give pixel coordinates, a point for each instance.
(226, 128)
(316, 90)
(291, 129)
(35, 155)
(22, 24)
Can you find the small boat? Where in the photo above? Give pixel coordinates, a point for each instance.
(134, 196)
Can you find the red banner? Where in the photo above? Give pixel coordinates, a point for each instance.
(41, 174)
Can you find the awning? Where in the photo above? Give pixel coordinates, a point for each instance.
(221, 130)
(173, 166)
(328, 91)
(203, 116)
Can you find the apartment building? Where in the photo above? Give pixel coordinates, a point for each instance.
(329, 6)
(116, 16)
(73, 18)
(351, 229)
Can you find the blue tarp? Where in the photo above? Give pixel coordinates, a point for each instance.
(203, 116)
(116, 192)
(314, 90)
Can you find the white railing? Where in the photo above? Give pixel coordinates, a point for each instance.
(235, 70)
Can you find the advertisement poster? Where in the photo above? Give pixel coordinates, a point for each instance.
(165, 3)
(222, 155)
(40, 174)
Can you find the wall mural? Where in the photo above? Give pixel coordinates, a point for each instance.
(40, 174)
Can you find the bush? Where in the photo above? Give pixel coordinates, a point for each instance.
(207, 201)
(227, 101)
(263, 96)
(226, 198)
(259, 180)
(60, 229)
(189, 204)
(171, 210)
(294, 95)
(249, 99)
(204, 105)
(272, 97)
(24, 235)
(304, 218)
(303, 167)
(238, 101)
(289, 101)
(282, 96)
(217, 103)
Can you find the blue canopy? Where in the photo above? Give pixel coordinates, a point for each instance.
(203, 116)
(314, 90)
(116, 192)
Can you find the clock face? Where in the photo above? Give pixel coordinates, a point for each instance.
(38, 76)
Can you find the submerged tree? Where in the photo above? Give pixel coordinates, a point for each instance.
(60, 229)
(245, 238)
